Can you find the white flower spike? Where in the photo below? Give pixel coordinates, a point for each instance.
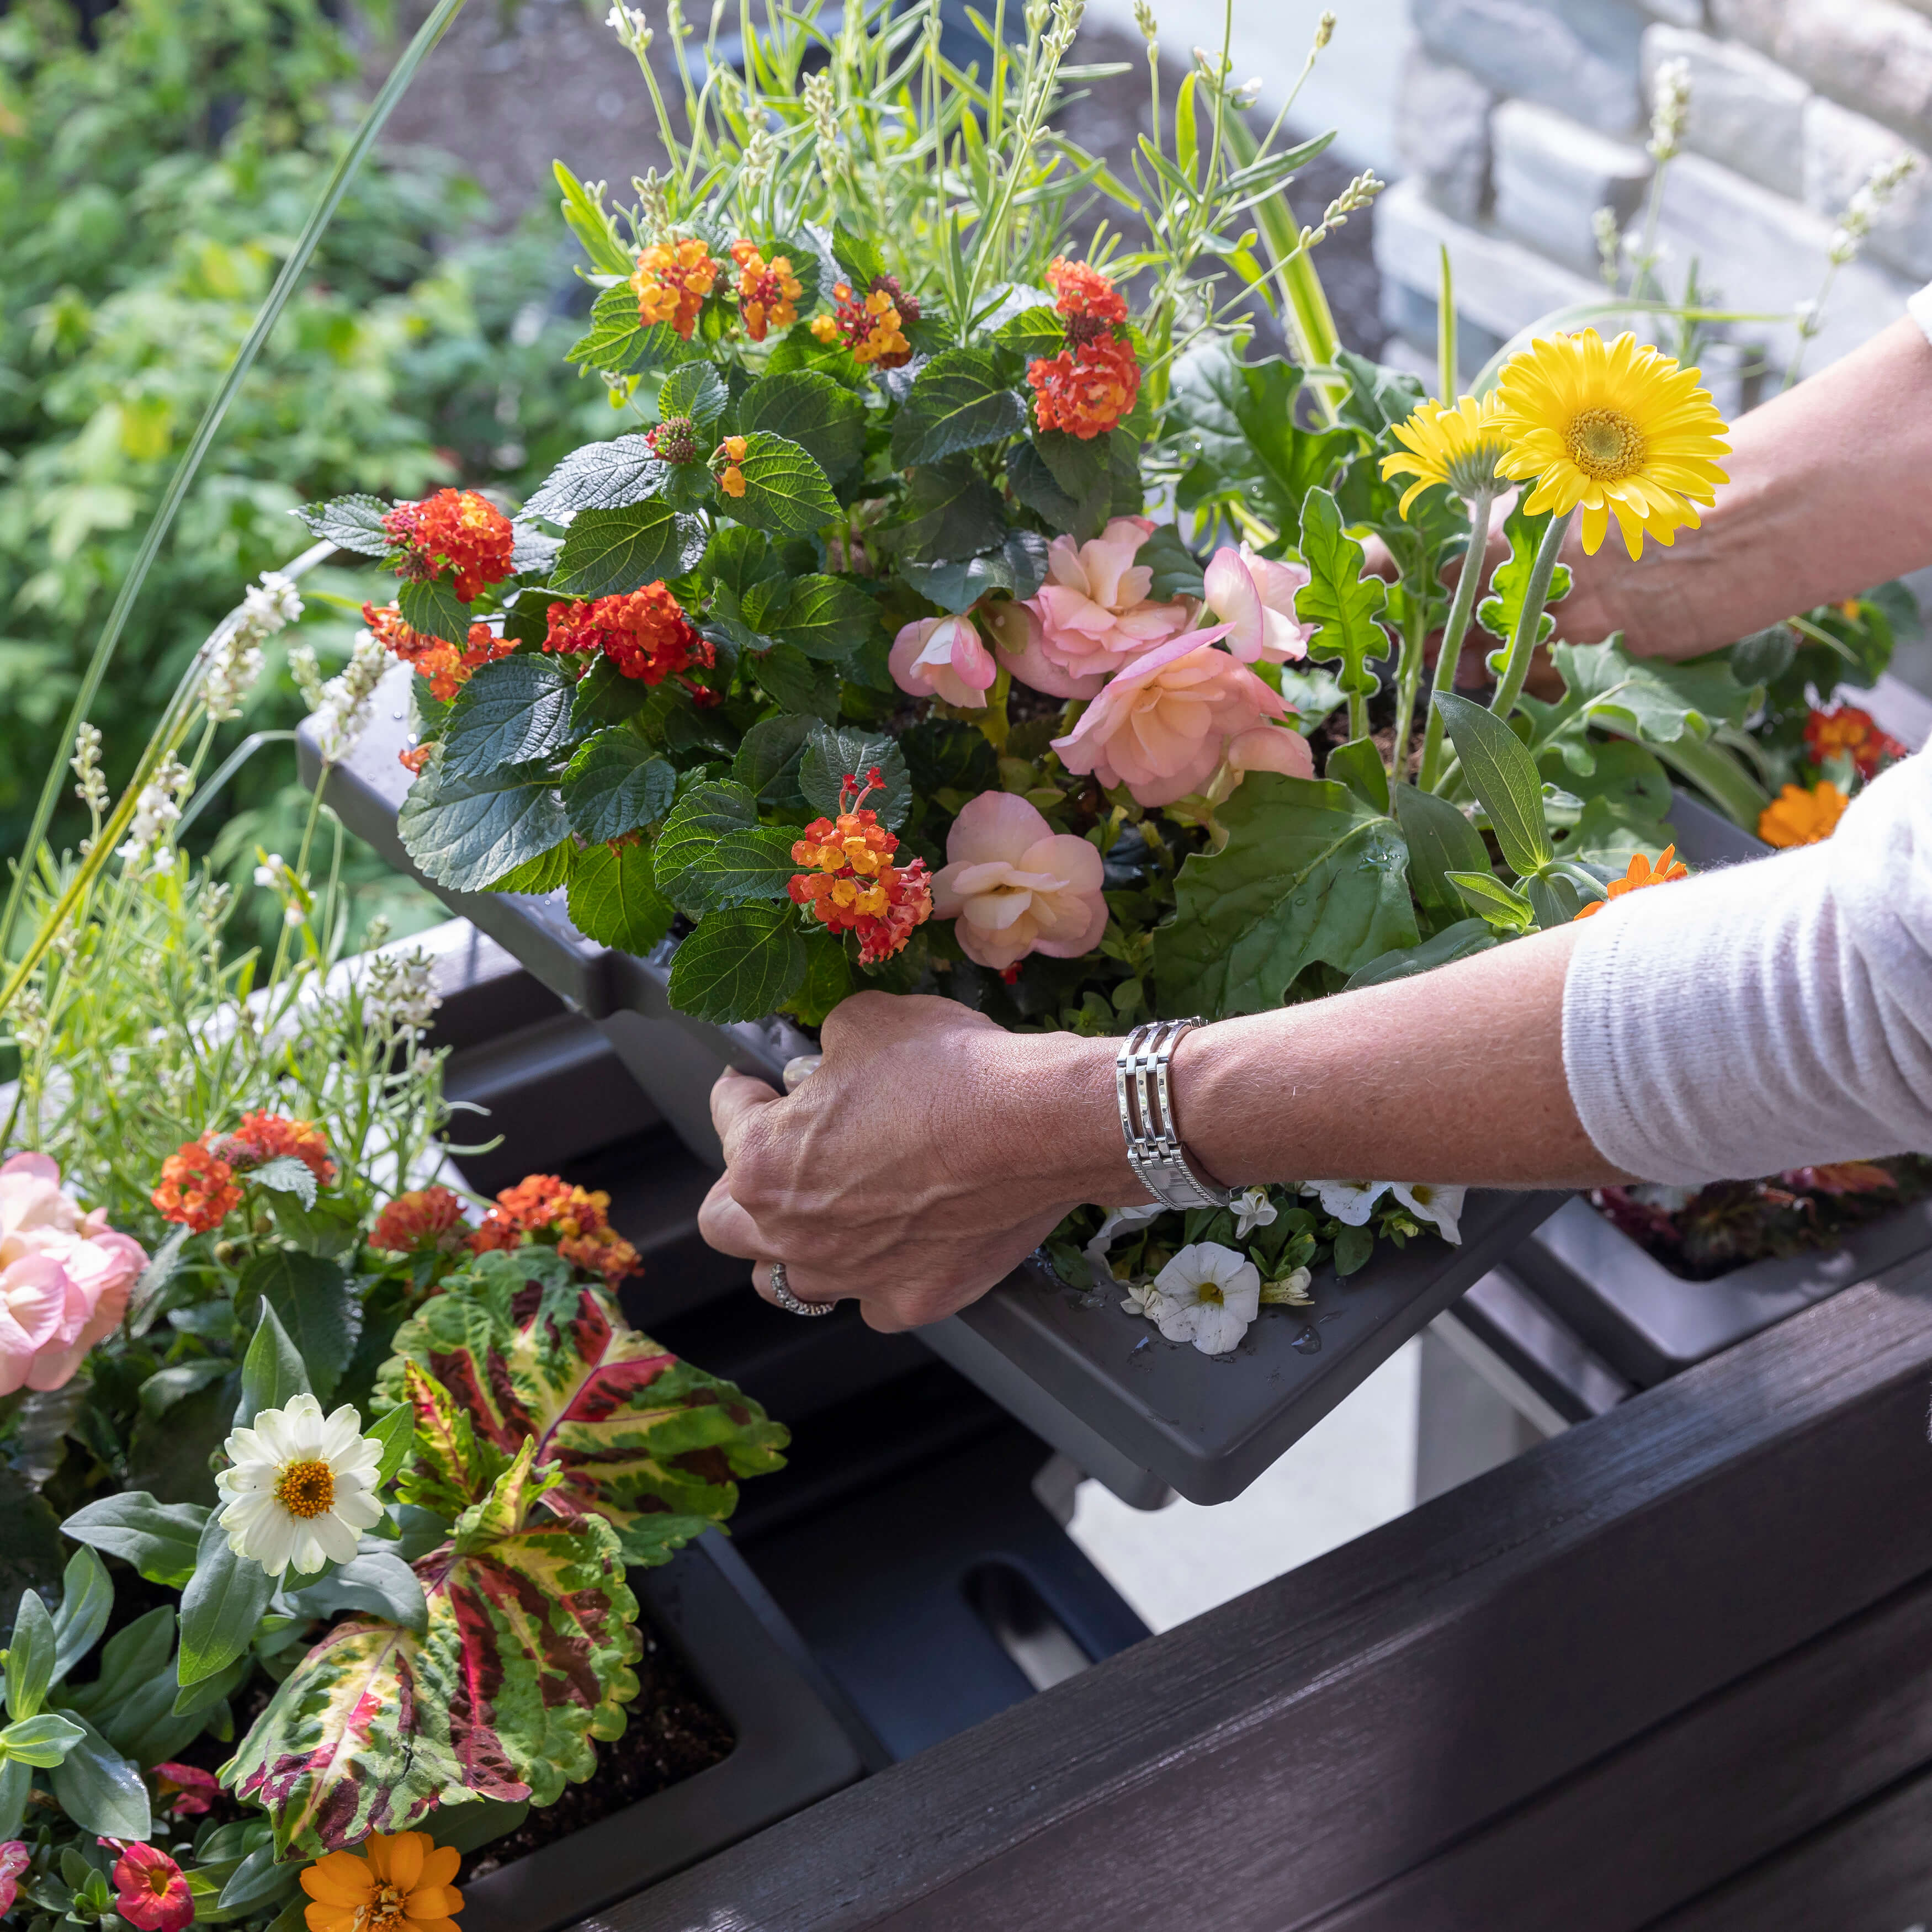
(1207, 1295)
(302, 1488)
(1441, 1207)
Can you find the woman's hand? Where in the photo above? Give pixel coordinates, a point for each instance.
(929, 1154)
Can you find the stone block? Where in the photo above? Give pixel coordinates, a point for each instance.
(1873, 55)
(1841, 148)
(1501, 287)
(1761, 252)
(1746, 110)
(1442, 131)
(1579, 55)
(1552, 174)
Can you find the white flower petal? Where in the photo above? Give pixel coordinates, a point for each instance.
(360, 1511)
(1351, 1202)
(1441, 1207)
(337, 1541)
(340, 1433)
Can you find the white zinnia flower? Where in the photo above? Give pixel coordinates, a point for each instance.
(302, 1488)
(1429, 1201)
(1253, 1210)
(1207, 1295)
(1352, 1202)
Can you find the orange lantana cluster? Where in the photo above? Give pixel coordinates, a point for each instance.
(644, 633)
(574, 1220)
(430, 1220)
(197, 1189)
(455, 530)
(671, 280)
(1087, 387)
(1847, 732)
(872, 325)
(853, 887)
(768, 292)
(262, 1137)
(1641, 873)
(436, 659)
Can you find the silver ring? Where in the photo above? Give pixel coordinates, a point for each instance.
(786, 1300)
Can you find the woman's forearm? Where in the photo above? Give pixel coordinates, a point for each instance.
(1826, 498)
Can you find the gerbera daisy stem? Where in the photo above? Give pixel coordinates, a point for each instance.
(1449, 658)
(1529, 620)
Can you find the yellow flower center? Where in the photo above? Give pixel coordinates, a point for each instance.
(385, 1911)
(1210, 1291)
(1607, 445)
(306, 1488)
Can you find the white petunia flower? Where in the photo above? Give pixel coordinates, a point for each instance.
(302, 1488)
(1352, 1202)
(1142, 1298)
(1119, 1221)
(1207, 1295)
(1253, 1210)
(1441, 1207)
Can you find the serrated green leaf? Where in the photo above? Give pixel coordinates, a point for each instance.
(823, 417)
(617, 784)
(610, 553)
(1503, 776)
(1078, 464)
(544, 873)
(796, 681)
(692, 831)
(429, 605)
(1498, 612)
(737, 557)
(1441, 842)
(1378, 397)
(159, 1539)
(755, 862)
(1338, 598)
(600, 476)
(465, 830)
(614, 898)
(785, 490)
(318, 1309)
(514, 711)
(1017, 567)
(826, 618)
(286, 1174)
(1038, 330)
(1310, 872)
(767, 762)
(952, 513)
(1033, 483)
(353, 523)
(740, 964)
(958, 402)
(1178, 571)
(833, 753)
(696, 391)
(619, 337)
(941, 754)
(1654, 699)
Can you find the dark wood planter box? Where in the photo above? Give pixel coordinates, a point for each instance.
(1142, 1414)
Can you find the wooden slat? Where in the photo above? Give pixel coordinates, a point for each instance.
(1689, 1805)
(1267, 1763)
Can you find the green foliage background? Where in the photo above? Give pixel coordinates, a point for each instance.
(150, 182)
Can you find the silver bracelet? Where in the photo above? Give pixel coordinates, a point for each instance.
(1146, 1119)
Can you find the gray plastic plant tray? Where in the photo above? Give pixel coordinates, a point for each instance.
(1143, 1415)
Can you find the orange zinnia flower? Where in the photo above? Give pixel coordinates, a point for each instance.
(1797, 817)
(1641, 873)
(398, 1882)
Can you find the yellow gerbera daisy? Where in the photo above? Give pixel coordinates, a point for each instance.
(1460, 447)
(1618, 428)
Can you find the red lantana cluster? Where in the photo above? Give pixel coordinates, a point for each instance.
(1847, 732)
(436, 659)
(673, 440)
(428, 1221)
(853, 887)
(768, 292)
(671, 281)
(1087, 387)
(541, 1207)
(262, 1137)
(645, 633)
(197, 1189)
(455, 530)
(873, 325)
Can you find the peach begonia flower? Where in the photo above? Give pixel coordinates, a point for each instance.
(1019, 641)
(943, 657)
(1162, 727)
(64, 1276)
(1254, 596)
(1015, 886)
(1093, 609)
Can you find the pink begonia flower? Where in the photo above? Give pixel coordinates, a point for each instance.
(51, 1253)
(1093, 609)
(943, 657)
(1254, 596)
(1019, 641)
(1271, 748)
(1015, 886)
(14, 1859)
(1163, 726)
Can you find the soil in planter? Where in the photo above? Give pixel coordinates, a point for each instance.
(673, 1734)
(1699, 1236)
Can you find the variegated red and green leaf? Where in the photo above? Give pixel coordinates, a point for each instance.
(522, 1348)
(525, 1657)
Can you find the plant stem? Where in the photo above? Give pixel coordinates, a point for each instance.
(1449, 656)
(1409, 676)
(296, 266)
(1529, 622)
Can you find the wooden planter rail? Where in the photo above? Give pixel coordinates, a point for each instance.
(1671, 1670)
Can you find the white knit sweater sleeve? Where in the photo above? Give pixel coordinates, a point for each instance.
(1769, 1015)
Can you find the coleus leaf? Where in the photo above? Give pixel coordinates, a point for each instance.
(522, 1352)
(524, 1658)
